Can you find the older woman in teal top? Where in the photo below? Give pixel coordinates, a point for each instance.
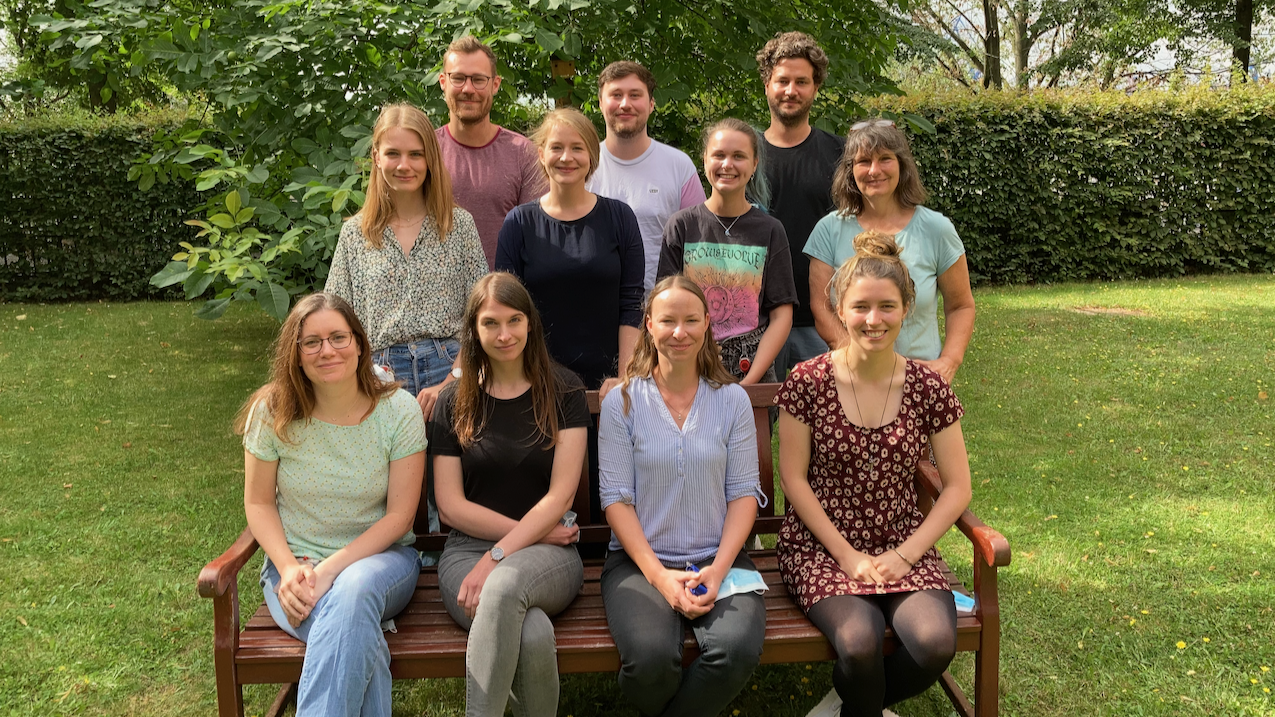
(333, 459)
(877, 187)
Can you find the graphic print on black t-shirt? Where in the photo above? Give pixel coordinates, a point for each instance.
(730, 276)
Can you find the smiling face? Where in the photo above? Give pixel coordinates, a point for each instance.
(677, 323)
(564, 155)
(872, 311)
(329, 366)
(729, 161)
(502, 332)
(467, 103)
(876, 174)
(400, 159)
(626, 105)
(791, 90)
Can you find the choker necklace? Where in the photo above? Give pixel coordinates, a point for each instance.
(732, 224)
(881, 421)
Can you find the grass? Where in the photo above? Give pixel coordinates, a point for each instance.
(1125, 451)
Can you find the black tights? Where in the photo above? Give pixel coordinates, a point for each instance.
(866, 680)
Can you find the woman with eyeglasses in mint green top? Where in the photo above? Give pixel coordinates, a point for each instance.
(333, 459)
(877, 187)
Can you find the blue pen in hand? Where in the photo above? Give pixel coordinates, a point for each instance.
(700, 589)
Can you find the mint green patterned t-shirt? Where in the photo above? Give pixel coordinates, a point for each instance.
(333, 481)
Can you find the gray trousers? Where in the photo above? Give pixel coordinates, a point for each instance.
(649, 637)
(511, 645)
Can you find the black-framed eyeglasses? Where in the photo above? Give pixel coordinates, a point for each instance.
(871, 123)
(458, 79)
(314, 344)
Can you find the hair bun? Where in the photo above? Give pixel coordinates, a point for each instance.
(876, 243)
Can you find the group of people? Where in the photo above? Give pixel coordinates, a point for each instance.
(490, 280)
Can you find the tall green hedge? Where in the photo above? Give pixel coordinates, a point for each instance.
(72, 227)
(1070, 186)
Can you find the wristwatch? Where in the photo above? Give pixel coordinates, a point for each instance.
(497, 554)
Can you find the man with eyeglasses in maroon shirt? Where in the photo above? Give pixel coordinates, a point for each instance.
(493, 169)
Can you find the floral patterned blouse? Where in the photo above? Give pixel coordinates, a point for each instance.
(401, 298)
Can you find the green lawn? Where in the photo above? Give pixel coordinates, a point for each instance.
(1120, 437)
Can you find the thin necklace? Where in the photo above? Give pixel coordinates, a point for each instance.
(732, 224)
(881, 421)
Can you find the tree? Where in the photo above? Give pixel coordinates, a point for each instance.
(290, 88)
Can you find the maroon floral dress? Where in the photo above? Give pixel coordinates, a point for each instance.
(873, 505)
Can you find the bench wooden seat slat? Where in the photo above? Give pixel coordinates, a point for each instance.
(428, 643)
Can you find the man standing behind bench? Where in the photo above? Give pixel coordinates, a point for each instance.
(493, 169)
(654, 179)
(800, 162)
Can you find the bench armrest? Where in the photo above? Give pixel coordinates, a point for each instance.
(224, 570)
(988, 542)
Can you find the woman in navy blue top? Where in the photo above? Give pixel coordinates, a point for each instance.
(579, 254)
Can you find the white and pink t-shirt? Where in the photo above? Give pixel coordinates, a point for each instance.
(661, 181)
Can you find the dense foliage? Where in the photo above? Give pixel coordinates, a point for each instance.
(1054, 187)
(292, 89)
(73, 227)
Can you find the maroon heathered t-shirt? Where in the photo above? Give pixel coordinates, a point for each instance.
(490, 180)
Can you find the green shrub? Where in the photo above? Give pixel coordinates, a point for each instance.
(1054, 186)
(72, 225)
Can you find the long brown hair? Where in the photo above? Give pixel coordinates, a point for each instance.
(876, 136)
(708, 363)
(378, 210)
(468, 414)
(876, 255)
(289, 395)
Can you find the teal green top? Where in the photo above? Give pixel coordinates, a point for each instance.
(930, 247)
(333, 480)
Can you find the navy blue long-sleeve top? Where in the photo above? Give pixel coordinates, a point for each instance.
(585, 276)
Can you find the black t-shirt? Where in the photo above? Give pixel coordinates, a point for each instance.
(507, 469)
(585, 276)
(801, 194)
(743, 274)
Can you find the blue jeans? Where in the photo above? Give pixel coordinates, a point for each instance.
(347, 661)
(421, 364)
(803, 344)
(649, 636)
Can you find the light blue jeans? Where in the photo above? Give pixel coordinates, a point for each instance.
(511, 644)
(421, 364)
(347, 661)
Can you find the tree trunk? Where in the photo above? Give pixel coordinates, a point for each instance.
(992, 46)
(1022, 45)
(1243, 35)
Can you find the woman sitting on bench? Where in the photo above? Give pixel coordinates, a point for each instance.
(678, 464)
(333, 459)
(855, 549)
(508, 443)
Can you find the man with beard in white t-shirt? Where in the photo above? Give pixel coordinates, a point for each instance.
(653, 178)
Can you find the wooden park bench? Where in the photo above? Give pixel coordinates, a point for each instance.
(428, 644)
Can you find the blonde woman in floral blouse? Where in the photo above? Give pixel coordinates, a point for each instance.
(406, 262)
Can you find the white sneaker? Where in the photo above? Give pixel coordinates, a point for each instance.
(829, 706)
(888, 713)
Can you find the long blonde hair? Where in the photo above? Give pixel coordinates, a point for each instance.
(708, 362)
(379, 209)
(469, 416)
(289, 395)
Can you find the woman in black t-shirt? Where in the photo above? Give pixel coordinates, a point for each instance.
(508, 440)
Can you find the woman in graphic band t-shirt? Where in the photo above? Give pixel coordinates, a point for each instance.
(508, 443)
(737, 254)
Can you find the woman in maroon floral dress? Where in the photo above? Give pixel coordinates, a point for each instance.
(855, 549)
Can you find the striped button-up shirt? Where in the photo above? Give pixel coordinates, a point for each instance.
(679, 480)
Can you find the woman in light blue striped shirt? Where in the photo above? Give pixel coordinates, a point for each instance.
(679, 484)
